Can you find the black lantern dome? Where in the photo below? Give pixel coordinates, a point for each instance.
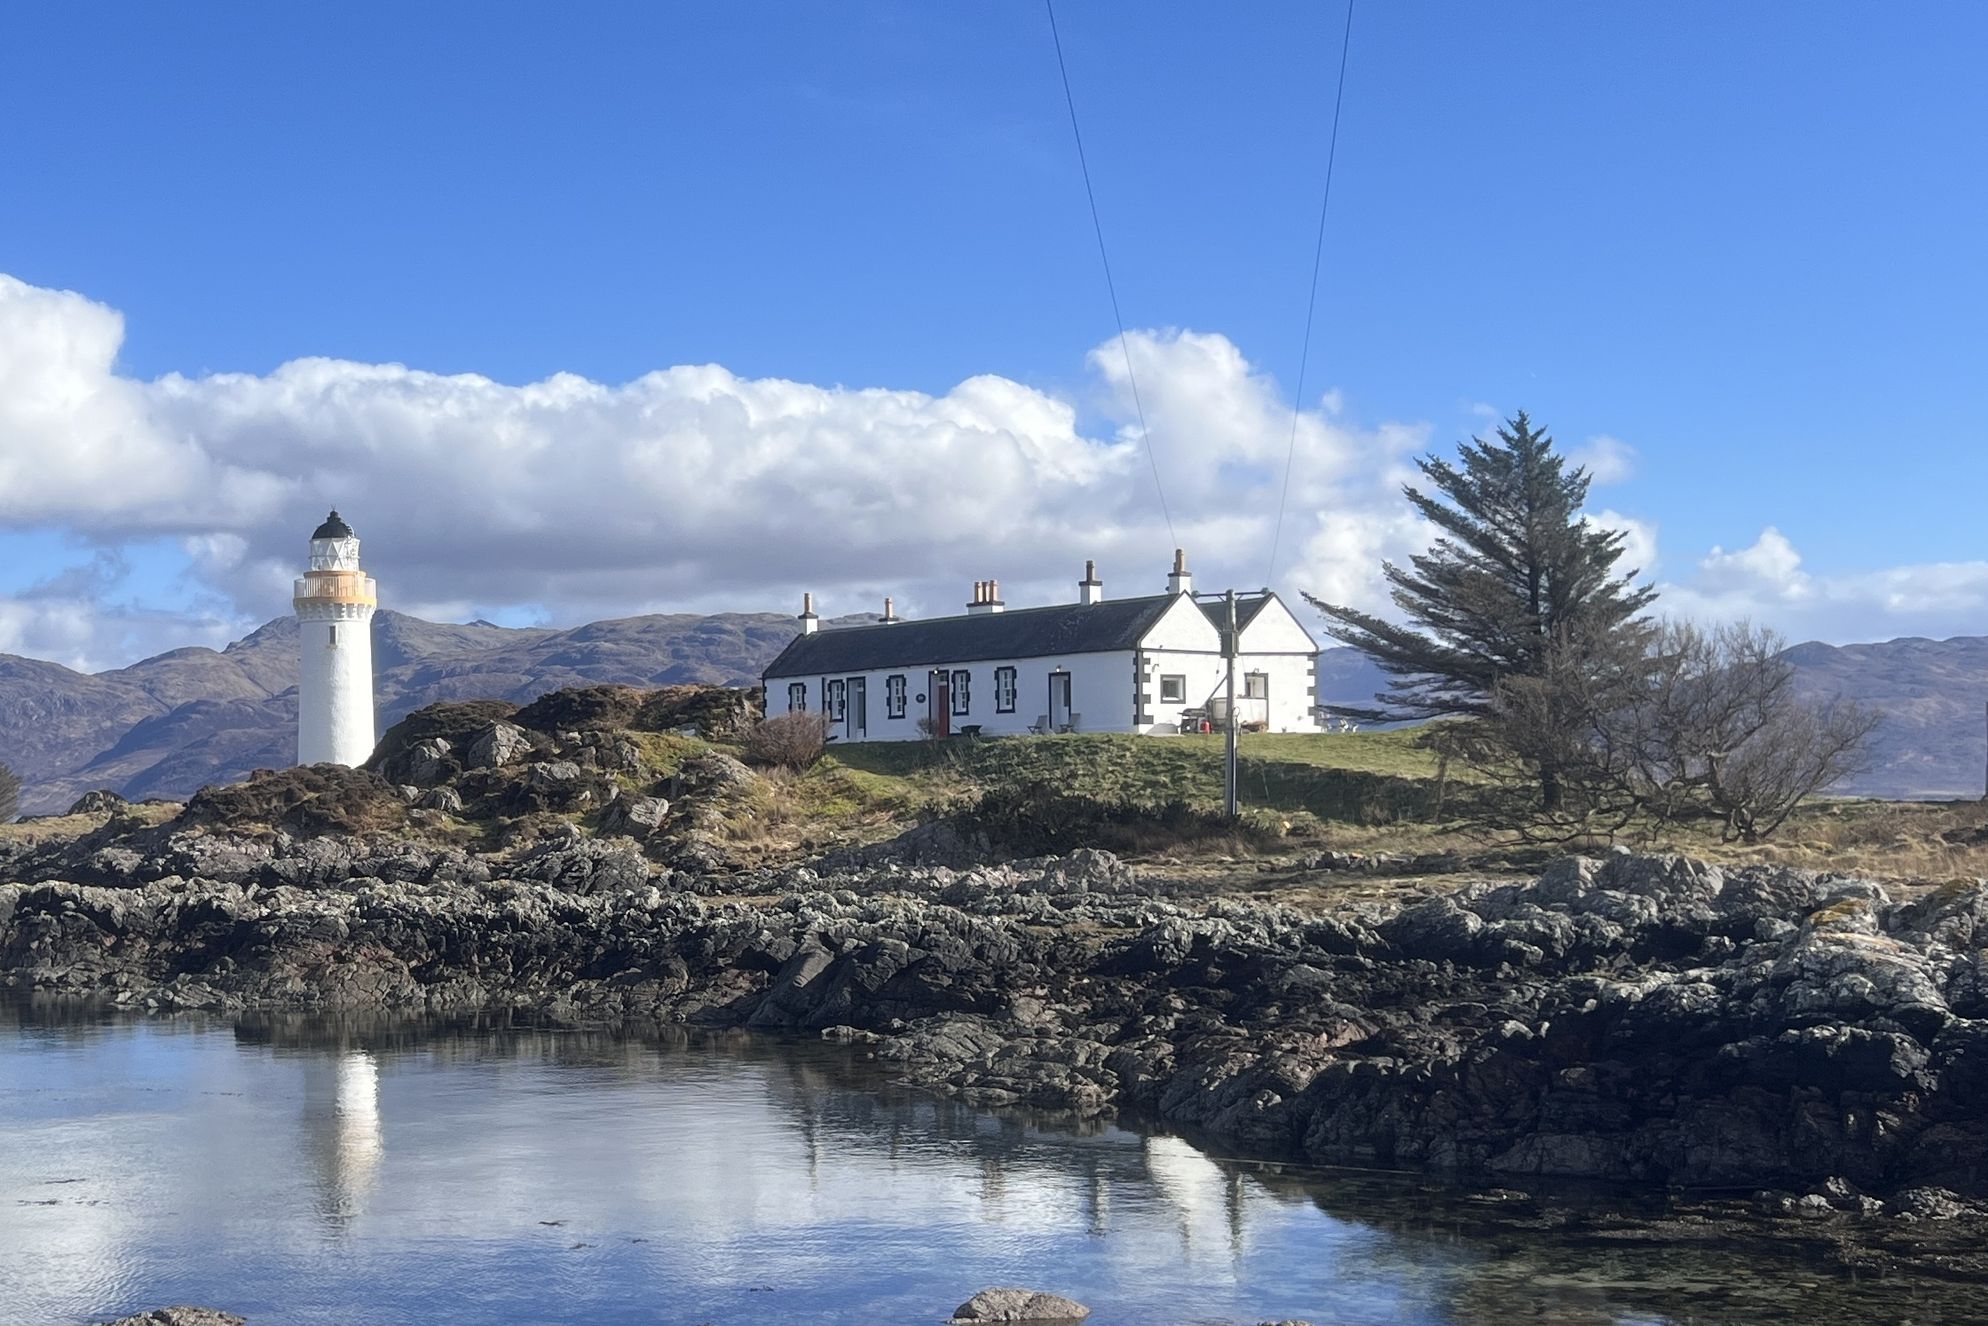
(334, 527)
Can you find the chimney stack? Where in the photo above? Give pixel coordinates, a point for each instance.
(890, 610)
(1182, 580)
(986, 598)
(809, 622)
(1090, 589)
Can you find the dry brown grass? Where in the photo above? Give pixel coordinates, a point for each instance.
(61, 828)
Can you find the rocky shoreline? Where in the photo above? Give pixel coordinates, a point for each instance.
(1650, 1020)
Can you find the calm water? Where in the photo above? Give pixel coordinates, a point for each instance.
(313, 1172)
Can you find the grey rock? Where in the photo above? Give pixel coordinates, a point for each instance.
(445, 799)
(498, 745)
(102, 801)
(637, 817)
(181, 1316)
(1019, 1305)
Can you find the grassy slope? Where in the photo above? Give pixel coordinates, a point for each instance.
(1360, 777)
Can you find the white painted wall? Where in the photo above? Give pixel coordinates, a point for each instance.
(335, 687)
(1100, 693)
(1112, 692)
(1277, 644)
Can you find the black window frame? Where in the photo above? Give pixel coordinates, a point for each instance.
(835, 699)
(1006, 688)
(959, 689)
(1179, 680)
(797, 697)
(896, 689)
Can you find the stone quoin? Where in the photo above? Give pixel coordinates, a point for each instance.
(335, 602)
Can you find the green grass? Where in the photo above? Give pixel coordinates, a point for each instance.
(1359, 777)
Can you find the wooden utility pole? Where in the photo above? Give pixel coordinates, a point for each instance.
(1229, 749)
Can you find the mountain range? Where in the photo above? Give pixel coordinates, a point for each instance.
(168, 725)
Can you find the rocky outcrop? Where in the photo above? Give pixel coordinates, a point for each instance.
(1647, 1019)
(182, 1316)
(1020, 1305)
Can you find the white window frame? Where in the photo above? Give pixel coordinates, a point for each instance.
(1173, 688)
(896, 691)
(797, 697)
(1005, 689)
(959, 689)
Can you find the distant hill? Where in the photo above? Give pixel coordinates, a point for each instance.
(1932, 738)
(171, 724)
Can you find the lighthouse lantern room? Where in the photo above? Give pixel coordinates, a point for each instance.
(335, 601)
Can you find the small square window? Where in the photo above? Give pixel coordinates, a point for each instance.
(1256, 685)
(1173, 689)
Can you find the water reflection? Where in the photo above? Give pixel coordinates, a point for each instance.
(320, 1170)
(342, 1122)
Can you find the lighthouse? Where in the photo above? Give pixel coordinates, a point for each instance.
(335, 602)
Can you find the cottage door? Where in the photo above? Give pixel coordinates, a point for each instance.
(1059, 701)
(856, 725)
(942, 703)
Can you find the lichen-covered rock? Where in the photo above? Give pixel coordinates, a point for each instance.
(181, 1316)
(497, 745)
(1019, 1305)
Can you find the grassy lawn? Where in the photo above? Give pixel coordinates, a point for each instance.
(1360, 777)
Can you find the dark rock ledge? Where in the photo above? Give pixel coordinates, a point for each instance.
(1647, 1019)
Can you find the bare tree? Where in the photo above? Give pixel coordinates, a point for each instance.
(10, 794)
(1716, 729)
(1681, 723)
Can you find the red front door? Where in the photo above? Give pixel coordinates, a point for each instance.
(942, 705)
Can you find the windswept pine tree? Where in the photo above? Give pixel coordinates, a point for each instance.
(1516, 586)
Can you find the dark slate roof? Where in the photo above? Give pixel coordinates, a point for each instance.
(334, 527)
(1247, 607)
(1063, 628)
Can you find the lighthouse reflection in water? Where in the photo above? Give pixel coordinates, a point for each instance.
(342, 1123)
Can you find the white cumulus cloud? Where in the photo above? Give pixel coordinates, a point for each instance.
(689, 487)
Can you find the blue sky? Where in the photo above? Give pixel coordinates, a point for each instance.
(1746, 242)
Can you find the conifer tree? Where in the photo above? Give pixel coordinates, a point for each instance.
(1515, 583)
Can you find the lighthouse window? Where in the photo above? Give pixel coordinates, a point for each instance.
(331, 634)
(797, 697)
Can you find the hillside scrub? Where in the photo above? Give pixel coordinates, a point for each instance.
(787, 741)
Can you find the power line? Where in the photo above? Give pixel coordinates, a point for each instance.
(1123, 346)
(1311, 303)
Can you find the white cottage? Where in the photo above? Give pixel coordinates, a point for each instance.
(1148, 665)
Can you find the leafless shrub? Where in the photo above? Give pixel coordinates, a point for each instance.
(1686, 724)
(788, 741)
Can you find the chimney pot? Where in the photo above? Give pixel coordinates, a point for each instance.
(1090, 589)
(1181, 581)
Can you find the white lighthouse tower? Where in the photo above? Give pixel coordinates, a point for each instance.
(335, 602)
